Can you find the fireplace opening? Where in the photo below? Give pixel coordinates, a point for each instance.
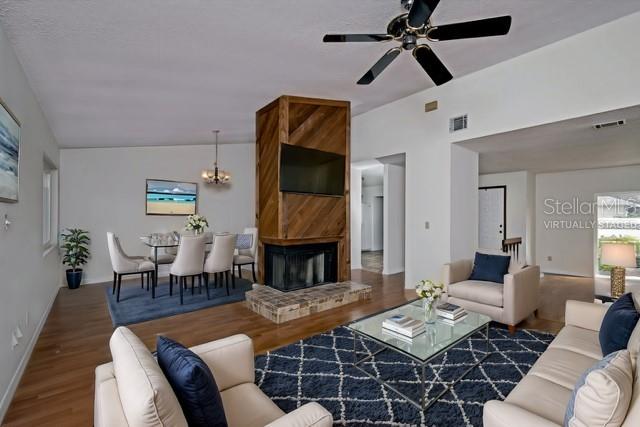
(288, 268)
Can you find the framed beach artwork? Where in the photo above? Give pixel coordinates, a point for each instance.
(171, 197)
(9, 154)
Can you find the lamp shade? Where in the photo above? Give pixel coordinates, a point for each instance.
(618, 255)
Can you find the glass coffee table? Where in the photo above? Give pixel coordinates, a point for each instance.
(436, 341)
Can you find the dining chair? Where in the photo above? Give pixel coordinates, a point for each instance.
(220, 261)
(247, 244)
(124, 265)
(189, 263)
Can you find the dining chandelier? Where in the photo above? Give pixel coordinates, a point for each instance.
(216, 175)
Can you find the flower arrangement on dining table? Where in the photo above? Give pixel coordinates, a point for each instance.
(196, 223)
(430, 292)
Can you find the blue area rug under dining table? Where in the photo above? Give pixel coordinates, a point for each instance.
(136, 304)
(319, 369)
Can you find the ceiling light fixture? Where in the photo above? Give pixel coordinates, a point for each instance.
(216, 176)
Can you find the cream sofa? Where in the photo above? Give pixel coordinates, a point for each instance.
(541, 398)
(132, 391)
(507, 303)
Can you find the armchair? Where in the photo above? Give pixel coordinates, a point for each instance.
(507, 303)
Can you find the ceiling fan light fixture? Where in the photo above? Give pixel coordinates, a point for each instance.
(409, 28)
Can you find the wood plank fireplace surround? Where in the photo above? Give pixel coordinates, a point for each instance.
(303, 239)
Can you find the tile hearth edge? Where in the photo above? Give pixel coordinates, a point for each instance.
(280, 307)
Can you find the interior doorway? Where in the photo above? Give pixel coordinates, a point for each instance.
(492, 212)
(378, 214)
(372, 236)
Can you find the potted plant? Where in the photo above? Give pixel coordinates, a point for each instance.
(76, 253)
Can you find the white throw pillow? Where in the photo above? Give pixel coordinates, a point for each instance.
(603, 393)
(145, 394)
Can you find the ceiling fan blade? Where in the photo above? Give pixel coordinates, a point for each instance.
(421, 12)
(345, 38)
(380, 66)
(467, 30)
(432, 64)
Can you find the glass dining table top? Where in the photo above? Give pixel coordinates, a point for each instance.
(165, 241)
(438, 338)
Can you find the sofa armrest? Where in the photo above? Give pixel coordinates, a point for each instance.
(521, 294)
(586, 315)
(502, 414)
(456, 271)
(230, 359)
(308, 415)
(107, 408)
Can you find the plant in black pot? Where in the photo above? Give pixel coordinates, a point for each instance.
(75, 243)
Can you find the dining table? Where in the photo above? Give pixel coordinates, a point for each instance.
(161, 241)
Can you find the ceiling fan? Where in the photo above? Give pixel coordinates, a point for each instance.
(410, 27)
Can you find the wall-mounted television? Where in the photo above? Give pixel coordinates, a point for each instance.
(305, 170)
(171, 197)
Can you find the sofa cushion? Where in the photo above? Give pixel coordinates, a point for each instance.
(490, 268)
(247, 406)
(489, 293)
(578, 340)
(146, 396)
(618, 324)
(192, 383)
(544, 398)
(562, 367)
(602, 394)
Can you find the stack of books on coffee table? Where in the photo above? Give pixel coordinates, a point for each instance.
(450, 314)
(403, 327)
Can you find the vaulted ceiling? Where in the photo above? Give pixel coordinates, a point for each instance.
(166, 72)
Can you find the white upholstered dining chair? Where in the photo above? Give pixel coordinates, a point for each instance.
(247, 252)
(189, 263)
(220, 261)
(124, 265)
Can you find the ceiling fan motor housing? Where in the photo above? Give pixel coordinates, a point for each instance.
(409, 41)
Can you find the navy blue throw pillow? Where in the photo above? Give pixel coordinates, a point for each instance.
(618, 324)
(490, 268)
(193, 384)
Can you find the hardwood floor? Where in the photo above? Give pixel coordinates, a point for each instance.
(57, 387)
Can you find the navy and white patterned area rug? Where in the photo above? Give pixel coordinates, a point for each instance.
(319, 369)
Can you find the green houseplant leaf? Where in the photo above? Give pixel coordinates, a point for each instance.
(75, 244)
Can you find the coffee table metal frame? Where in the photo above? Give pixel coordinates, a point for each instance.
(424, 404)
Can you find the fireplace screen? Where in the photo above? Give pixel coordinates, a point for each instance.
(288, 268)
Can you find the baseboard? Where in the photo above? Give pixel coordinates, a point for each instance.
(17, 376)
(390, 272)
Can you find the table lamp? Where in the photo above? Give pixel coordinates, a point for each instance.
(619, 256)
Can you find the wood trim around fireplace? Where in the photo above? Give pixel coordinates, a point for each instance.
(293, 218)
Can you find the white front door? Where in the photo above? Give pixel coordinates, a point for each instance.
(491, 210)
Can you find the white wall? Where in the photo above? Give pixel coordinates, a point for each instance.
(393, 219)
(30, 280)
(520, 205)
(572, 248)
(464, 203)
(103, 189)
(557, 82)
(372, 224)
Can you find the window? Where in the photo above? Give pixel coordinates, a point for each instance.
(49, 205)
(618, 222)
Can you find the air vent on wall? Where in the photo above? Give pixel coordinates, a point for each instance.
(458, 123)
(614, 124)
